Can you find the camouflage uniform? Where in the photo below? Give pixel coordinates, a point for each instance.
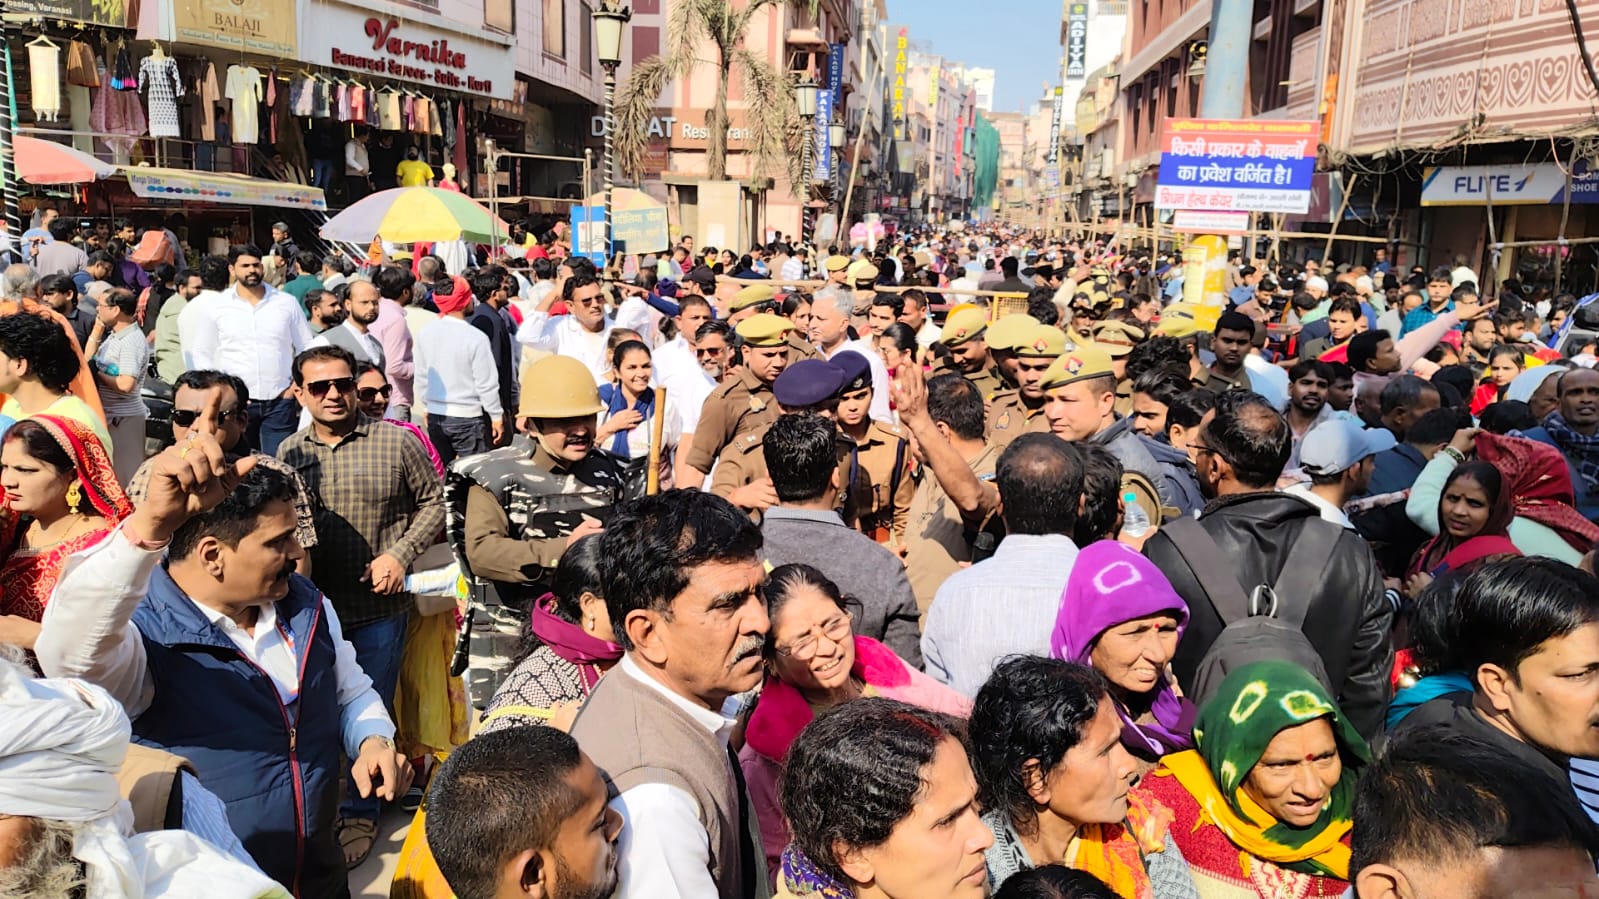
(512, 509)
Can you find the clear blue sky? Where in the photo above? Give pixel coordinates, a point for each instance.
(1018, 39)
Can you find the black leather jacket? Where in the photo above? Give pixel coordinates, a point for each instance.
(1348, 620)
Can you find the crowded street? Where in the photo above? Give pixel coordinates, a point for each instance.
(843, 449)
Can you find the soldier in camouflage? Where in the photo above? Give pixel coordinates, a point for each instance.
(514, 510)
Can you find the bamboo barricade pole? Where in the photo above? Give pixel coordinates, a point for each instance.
(1343, 207)
(652, 483)
(879, 288)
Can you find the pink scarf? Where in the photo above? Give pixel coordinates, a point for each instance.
(783, 712)
(572, 643)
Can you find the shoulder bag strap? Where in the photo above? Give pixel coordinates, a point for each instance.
(1301, 574)
(1209, 565)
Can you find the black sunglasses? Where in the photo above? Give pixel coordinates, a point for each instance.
(185, 418)
(320, 388)
(368, 394)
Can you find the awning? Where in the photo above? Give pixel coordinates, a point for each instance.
(222, 187)
(41, 161)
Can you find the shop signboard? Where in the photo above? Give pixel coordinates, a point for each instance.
(588, 232)
(1077, 40)
(108, 13)
(822, 152)
(1538, 184)
(1254, 165)
(1191, 221)
(835, 73)
(363, 41)
(258, 26)
(897, 95)
(1052, 155)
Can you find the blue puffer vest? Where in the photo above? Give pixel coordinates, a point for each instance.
(276, 767)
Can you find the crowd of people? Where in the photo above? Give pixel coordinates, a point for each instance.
(978, 564)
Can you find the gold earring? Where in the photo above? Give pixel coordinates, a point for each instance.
(74, 495)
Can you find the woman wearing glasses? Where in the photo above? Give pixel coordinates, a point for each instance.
(61, 496)
(814, 661)
(372, 392)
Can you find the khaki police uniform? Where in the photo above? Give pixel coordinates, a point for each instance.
(1009, 414)
(1118, 339)
(937, 539)
(744, 462)
(744, 404)
(880, 466)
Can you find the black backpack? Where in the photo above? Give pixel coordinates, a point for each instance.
(1257, 626)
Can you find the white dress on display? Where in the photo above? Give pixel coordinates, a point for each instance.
(163, 85)
(244, 89)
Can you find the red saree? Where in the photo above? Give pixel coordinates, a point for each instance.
(28, 576)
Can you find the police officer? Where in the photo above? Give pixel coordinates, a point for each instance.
(1020, 410)
(964, 334)
(743, 404)
(862, 277)
(758, 298)
(1118, 339)
(881, 486)
(514, 510)
(1004, 335)
(810, 385)
(836, 266)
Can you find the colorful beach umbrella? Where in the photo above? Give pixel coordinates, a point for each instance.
(413, 214)
(41, 161)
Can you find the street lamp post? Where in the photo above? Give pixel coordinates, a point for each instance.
(835, 141)
(805, 99)
(609, 17)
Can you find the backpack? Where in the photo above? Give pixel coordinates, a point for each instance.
(1257, 626)
(152, 250)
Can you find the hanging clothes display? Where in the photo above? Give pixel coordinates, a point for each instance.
(206, 98)
(422, 120)
(163, 85)
(119, 113)
(81, 69)
(244, 89)
(44, 60)
(300, 96)
(321, 103)
(359, 99)
(388, 104)
(124, 77)
(447, 118)
(79, 102)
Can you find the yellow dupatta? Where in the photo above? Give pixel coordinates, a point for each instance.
(1249, 833)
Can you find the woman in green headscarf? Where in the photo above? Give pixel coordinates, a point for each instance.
(1262, 803)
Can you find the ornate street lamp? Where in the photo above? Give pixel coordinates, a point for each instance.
(805, 99)
(609, 18)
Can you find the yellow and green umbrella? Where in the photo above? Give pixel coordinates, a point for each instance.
(412, 214)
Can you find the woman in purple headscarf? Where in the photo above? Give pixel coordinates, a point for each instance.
(1121, 616)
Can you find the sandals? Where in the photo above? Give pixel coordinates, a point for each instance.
(357, 836)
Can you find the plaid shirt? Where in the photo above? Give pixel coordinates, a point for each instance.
(374, 492)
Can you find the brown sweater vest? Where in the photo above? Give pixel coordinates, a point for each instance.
(637, 736)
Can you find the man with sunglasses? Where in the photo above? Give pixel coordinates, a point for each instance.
(192, 393)
(581, 333)
(379, 504)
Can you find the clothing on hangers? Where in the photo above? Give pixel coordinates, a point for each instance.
(358, 104)
(244, 89)
(81, 69)
(163, 85)
(206, 98)
(321, 100)
(44, 61)
(124, 77)
(300, 98)
(389, 111)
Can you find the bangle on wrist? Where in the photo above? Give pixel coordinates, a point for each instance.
(1457, 455)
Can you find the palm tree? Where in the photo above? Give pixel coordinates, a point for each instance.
(776, 130)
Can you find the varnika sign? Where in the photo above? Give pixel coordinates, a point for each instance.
(384, 46)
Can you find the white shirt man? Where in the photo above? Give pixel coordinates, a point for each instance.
(255, 341)
(581, 334)
(830, 316)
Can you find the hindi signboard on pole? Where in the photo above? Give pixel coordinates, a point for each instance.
(1256, 165)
